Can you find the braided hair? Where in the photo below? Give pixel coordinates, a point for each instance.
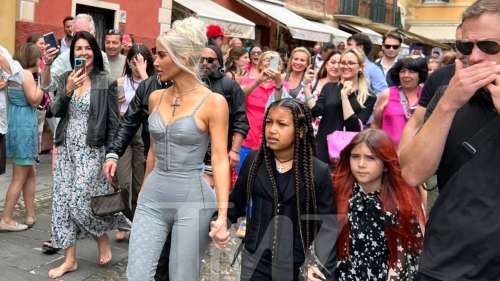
(303, 155)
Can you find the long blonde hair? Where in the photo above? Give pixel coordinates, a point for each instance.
(294, 51)
(363, 81)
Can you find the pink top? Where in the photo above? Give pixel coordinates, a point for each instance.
(256, 109)
(394, 119)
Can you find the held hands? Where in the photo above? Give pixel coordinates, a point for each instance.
(75, 80)
(219, 232)
(234, 159)
(467, 80)
(109, 169)
(314, 274)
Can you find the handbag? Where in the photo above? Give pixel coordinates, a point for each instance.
(107, 204)
(338, 140)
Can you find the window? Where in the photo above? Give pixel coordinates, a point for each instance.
(349, 7)
(378, 10)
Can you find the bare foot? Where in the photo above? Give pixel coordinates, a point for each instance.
(105, 254)
(63, 269)
(120, 235)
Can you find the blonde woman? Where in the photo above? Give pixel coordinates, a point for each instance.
(343, 105)
(299, 74)
(174, 198)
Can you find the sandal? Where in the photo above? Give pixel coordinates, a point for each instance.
(5, 227)
(48, 249)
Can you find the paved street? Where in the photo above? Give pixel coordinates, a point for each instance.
(21, 258)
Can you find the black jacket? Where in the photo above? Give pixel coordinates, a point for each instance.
(103, 113)
(217, 82)
(137, 114)
(262, 213)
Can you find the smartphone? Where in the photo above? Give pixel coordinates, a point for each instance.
(80, 63)
(274, 62)
(50, 40)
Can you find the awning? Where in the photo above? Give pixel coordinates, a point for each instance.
(375, 37)
(438, 32)
(299, 27)
(411, 38)
(212, 13)
(338, 35)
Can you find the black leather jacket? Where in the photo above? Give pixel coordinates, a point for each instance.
(103, 113)
(217, 82)
(137, 114)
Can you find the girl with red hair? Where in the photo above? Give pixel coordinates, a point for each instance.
(382, 215)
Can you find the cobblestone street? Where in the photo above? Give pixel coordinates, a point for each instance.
(21, 258)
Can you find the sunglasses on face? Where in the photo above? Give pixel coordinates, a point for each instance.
(394, 47)
(113, 32)
(489, 47)
(209, 60)
(255, 53)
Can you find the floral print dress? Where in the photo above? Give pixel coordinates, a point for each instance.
(78, 176)
(369, 253)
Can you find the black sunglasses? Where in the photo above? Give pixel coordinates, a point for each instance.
(113, 32)
(388, 46)
(488, 46)
(209, 60)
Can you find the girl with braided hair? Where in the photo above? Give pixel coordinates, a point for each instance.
(279, 187)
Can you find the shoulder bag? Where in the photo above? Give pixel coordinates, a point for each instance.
(338, 140)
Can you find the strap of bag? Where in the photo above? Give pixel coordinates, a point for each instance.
(404, 103)
(468, 149)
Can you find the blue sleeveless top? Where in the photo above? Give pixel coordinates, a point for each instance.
(22, 132)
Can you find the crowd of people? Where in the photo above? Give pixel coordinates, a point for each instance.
(321, 153)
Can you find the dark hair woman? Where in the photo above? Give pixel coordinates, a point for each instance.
(88, 123)
(237, 64)
(281, 182)
(130, 167)
(22, 138)
(382, 215)
(395, 106)
(329, 72)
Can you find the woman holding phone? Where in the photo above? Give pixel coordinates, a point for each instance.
(258, 89)
(299, 74)
(88, 122)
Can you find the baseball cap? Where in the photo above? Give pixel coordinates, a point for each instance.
(214, 31)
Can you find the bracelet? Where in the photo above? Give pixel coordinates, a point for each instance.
(308, 98)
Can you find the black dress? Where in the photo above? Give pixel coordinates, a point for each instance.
(329, 106)
(369, 253)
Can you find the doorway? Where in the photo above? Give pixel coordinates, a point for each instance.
(104, 19)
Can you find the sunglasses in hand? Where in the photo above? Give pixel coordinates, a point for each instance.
(489, 47)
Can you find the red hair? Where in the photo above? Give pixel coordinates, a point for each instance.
(396, 196)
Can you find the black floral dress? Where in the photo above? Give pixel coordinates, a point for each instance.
(369, 252)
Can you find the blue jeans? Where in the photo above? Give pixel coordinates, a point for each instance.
(244, 151)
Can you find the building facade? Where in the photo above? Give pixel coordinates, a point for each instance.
(435, 19)
(144, 19)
